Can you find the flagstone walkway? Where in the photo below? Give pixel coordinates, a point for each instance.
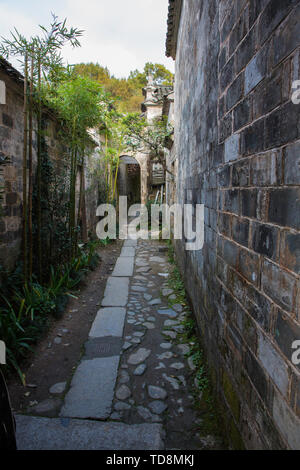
(132, 388)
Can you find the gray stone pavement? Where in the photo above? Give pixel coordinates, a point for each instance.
(75, 434)
(92, 389)
(134, 372)
(108, 322)
(124, 266)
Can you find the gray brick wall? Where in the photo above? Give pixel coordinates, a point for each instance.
(11, 146)
(237, 141)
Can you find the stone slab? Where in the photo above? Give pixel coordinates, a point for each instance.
(116, 292)
(129, 242)
(124, 266)
(92, 389)
(108, 322)
(72, 434)
(128, 251)
(103, 347)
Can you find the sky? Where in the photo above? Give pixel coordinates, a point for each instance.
(119, 34)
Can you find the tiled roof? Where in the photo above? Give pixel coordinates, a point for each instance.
(173, 25)
(6, 67)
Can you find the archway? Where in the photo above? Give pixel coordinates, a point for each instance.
(129, 179)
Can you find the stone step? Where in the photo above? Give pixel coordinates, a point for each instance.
(124, 267)
(116, 292)
(108, 322)
(127, 252)
(92, 389)
(130, 242)
(34, 433)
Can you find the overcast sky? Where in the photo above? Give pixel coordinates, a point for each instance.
(120, 34)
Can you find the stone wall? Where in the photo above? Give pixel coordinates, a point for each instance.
(237, 143)
(11, 146)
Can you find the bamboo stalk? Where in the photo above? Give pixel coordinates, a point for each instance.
(72, 190)
(39, 157)
(106, 167)
(70, 202)
(81, 217)
(84, 233)
(30, 181)
(74, 235)
(73, 200)
(25, 112)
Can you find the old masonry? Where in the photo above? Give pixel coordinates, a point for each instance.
(235, 149)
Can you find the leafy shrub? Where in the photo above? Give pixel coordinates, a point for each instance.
(27, 310)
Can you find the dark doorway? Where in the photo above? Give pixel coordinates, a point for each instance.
(129, 179)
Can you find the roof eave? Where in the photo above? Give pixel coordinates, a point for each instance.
(175, 8)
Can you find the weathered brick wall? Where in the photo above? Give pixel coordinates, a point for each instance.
(11, 146)
(237, 143)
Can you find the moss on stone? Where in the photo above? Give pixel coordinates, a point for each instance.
(231, 396)
(235, 437)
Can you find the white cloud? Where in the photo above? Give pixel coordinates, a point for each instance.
(121, 35)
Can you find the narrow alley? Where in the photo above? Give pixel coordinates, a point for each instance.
(129, 390)
(178, 119)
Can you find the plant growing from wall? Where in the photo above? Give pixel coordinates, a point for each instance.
(41, 53)
(82, 105)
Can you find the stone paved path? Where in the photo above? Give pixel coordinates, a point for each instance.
(133, 374)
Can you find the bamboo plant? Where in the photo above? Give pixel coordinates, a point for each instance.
(42, 52)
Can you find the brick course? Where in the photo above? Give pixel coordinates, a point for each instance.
(246, 291)
(11, 146)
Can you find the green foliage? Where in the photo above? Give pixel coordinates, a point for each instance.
(204, 398)
(81, 102)
(29, 302)
(161, 75)
(127, 93)
(26, 311)
(44, 48)
(17, 344)
(176, 283)
(54, 207)
(82, 105)
(144, 137)
(94, 72)
(105, 241)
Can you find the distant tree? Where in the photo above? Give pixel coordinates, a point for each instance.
(140, 136)
(94, 72)
(137, 79)
(127, 92)
(161, 75)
